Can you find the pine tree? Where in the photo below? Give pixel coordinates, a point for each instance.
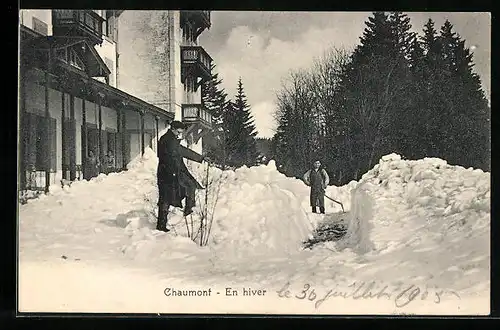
(400, 123)
(375, 89)
(402, 37)
(416, 137)
(282, 139)
(241, 130)
(214, 98)
(466, 128)
(431, 137)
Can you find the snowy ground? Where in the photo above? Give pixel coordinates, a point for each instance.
(418, 242)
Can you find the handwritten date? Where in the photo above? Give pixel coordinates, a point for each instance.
(402, 295)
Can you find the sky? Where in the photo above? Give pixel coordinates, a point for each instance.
(262, 47)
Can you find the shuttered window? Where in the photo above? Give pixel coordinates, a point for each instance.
(40, 147)
(69, 141)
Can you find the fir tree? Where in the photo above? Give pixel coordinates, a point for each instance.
(417, 135)
(466, 129)
(214, 98)
(241, 131)
(375, 89)
(432, 81)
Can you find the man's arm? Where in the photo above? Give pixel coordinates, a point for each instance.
(306, 177)
(190, 154)
(327, 178)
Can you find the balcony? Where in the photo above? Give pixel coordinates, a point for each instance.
(81, 23)
(196, 114)
(195, 62)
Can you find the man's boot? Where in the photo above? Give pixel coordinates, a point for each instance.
(322, 209)
(161, 223)
(314, 209)
(190, 201)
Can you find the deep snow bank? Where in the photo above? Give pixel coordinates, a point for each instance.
(438, 199)
(259, 208)
(424, 210)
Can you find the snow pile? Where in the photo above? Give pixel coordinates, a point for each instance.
(259, 209)
(74, 211)
(436, 196)
(423, 208)
(253, 209)
(359, 222)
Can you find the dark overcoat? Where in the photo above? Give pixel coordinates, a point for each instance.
(174, 179)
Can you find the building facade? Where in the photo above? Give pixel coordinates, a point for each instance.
(161, 61)
(79, 112)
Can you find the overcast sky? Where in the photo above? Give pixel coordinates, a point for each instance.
(262, 47)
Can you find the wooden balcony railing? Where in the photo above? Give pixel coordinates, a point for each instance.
(78, 22)
(196, 113)
(196, 58)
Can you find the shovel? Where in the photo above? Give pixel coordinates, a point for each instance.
(333, 200)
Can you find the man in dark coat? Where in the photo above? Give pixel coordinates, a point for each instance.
(318, 180)
(175, 182)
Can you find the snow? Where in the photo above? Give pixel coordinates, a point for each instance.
(412, 224)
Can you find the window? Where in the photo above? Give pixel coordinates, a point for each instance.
(69, 143)
(189, 88)
(39, 149)
(110, 151)
(188, 34)
(110, 25)
(191, 84)
(39, 26)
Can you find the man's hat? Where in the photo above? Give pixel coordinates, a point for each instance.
(177, 124)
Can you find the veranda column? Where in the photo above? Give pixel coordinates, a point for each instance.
(99, 136)
(118, 136)
(157, 133)
(141, 114)
(47, 122)
(63, 136)
(72, 134)
(84, 139)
